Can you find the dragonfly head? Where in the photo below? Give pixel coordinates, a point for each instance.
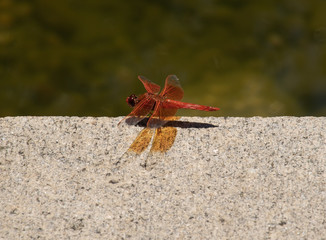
(132, 100)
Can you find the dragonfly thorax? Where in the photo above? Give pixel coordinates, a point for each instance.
(133, 100)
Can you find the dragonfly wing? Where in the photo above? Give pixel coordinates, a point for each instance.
(172, 89)
(162, 114)
(149, 86)
(140, 111)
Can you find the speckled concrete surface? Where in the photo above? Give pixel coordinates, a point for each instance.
(223, 178)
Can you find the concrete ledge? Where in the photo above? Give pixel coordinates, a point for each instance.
(223, 178)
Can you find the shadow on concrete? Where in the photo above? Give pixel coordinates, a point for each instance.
(178, 124)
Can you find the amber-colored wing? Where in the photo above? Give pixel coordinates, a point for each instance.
(162, 114)
(164, 111)
(141, 110)
(172, 89)
(149, 86)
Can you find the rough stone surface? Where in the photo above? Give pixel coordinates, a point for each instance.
(223, 178)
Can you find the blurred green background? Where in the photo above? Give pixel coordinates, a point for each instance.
(69, 57)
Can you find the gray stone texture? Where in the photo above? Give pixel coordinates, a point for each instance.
(223, 178)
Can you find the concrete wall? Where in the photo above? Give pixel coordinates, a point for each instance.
(220, 178)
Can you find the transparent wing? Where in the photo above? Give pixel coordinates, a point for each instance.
(161, 115)
(149, 86)
(172, 89)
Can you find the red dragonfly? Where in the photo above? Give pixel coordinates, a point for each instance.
(162, 106)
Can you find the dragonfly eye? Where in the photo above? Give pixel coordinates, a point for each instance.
(132, 100)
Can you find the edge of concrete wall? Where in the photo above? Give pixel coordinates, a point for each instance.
(221, 178)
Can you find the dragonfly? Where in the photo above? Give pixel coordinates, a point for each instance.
(160, 107)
